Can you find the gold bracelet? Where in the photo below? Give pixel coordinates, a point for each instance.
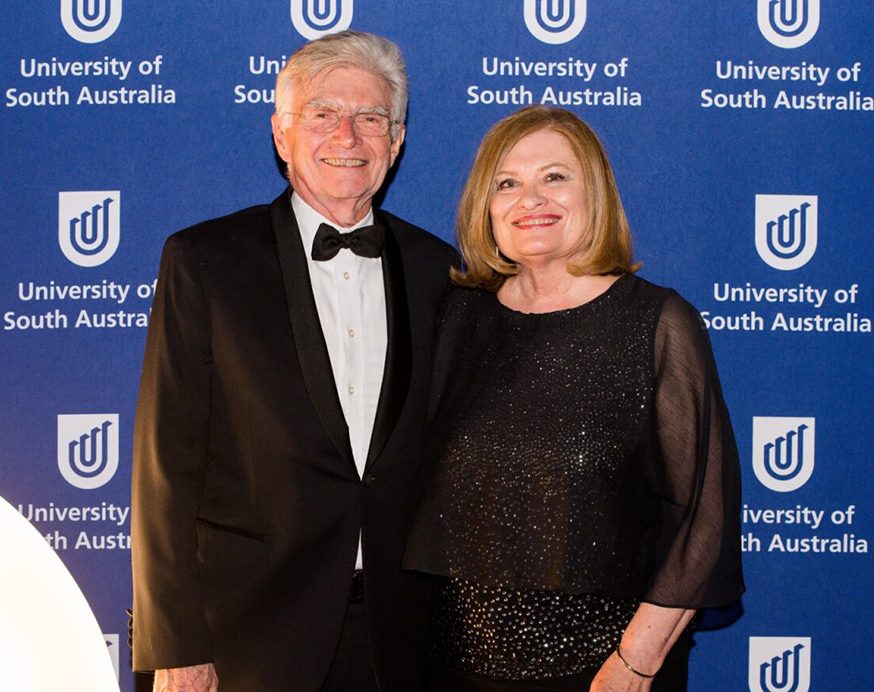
(630, 667)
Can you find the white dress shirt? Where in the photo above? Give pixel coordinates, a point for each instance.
(350, 299)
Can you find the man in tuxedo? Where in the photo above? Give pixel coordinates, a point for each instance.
(281, 410)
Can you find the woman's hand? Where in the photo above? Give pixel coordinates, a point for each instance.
(615, 677)
(645, 643)
(200, 678)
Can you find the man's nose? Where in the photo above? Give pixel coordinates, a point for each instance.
(345, 134)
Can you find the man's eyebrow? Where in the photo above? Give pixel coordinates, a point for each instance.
(322, 104)
(378, 110)
(331, 105)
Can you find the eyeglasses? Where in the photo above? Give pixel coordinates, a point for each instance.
(368, 124)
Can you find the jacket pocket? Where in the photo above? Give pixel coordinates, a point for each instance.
(232, 529)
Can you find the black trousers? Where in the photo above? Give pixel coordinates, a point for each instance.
(352, 667)
(671, 678)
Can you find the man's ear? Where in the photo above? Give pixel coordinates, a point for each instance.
(396, 144)
(279, 138)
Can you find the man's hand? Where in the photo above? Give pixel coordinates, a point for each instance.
(201, 678)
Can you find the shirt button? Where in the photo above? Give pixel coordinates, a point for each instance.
(351, 332)
(351, 389)
(347, 275)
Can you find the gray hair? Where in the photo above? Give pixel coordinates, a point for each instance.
(356, 48)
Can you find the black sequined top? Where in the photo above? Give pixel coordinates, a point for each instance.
(578, 462)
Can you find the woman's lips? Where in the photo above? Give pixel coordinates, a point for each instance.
(538, 220)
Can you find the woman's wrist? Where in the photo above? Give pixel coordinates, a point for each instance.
(640, 655)
(631, 668)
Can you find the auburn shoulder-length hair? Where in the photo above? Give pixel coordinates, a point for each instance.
(608, 236)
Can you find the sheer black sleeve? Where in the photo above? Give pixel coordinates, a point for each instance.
(696, 474)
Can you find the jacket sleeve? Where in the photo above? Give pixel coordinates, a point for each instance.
(169, 466)
(698, 477)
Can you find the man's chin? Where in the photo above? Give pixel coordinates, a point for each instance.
(340, 193)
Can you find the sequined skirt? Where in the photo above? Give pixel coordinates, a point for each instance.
(521, 635)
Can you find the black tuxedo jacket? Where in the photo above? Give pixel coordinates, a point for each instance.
(246, 502)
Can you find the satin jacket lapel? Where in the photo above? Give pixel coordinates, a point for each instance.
(312, 352)
(399, 351)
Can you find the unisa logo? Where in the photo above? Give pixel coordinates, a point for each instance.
(779, 664)
(788, 23)
(783, 451)
(555, 21)
(89, 226)
(315, 18)
(91, 21)
(786, 229)
(88, 448)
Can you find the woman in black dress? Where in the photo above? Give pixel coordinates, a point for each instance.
(581, 483)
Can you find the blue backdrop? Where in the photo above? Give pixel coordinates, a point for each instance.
(740, 134)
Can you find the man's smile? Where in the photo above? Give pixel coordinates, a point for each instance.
(344, 163)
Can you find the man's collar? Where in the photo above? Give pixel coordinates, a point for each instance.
(309, 220)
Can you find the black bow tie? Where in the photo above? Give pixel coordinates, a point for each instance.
(366, 241)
